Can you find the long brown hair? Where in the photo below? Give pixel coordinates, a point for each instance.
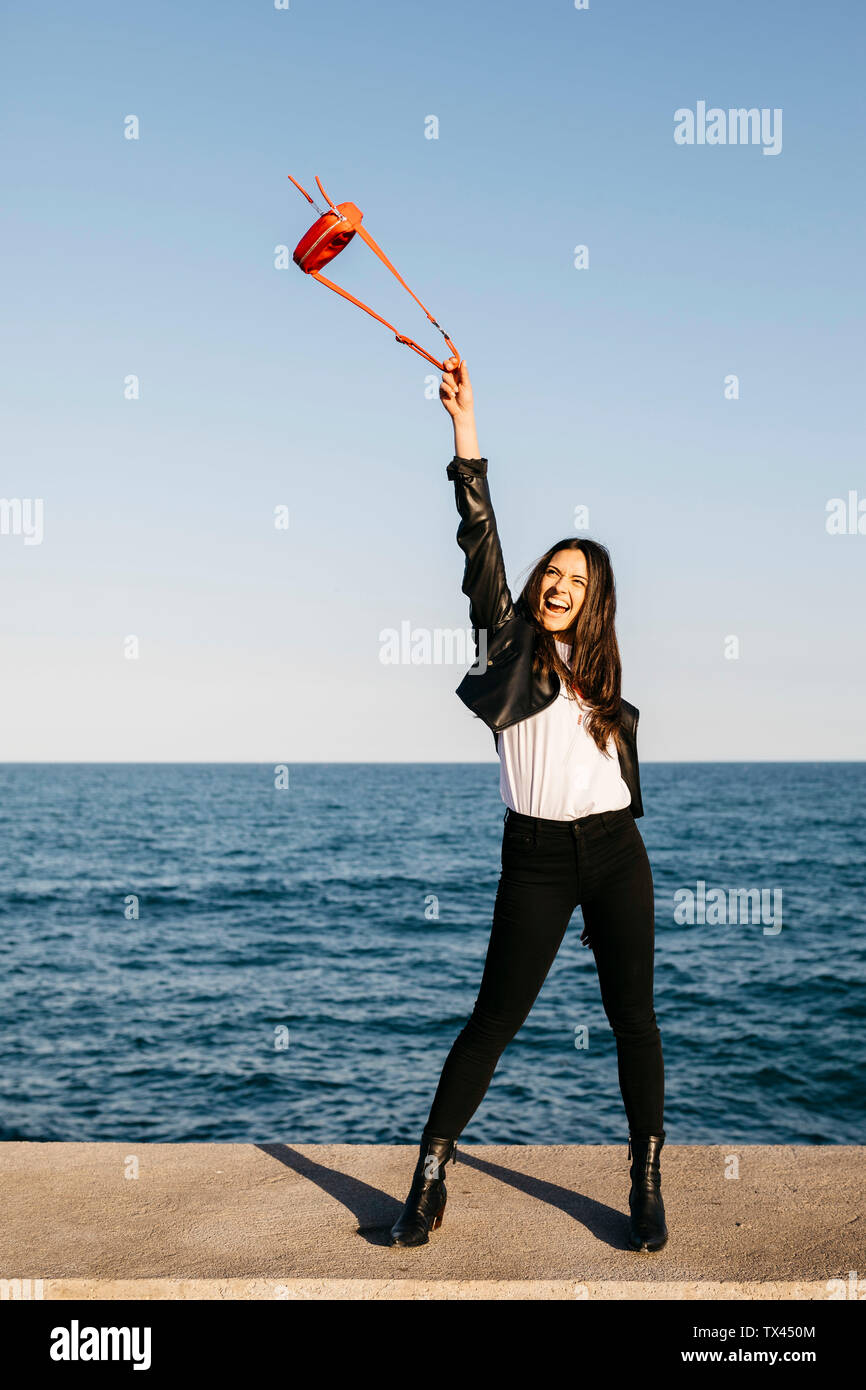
(596, 671)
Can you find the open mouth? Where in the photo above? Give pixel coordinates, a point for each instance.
(555, 606)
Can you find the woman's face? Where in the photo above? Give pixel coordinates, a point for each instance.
(563, 589)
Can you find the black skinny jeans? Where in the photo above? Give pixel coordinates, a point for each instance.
(548, 868)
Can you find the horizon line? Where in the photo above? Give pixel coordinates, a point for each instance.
(405, 762)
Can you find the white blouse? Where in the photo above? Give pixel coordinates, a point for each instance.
(551, 767)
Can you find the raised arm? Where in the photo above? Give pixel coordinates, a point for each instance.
(490, 603)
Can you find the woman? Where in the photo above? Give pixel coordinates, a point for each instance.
(549, 689)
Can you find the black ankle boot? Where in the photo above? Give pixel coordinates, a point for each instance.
(647, 1229)
(425, 1204)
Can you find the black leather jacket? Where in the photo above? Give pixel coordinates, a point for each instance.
(507, 690)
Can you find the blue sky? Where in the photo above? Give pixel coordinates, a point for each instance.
(601, 387)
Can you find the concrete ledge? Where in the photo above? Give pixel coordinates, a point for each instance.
(240, 1221)
(442, 1290)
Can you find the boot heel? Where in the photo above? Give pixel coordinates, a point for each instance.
(438, 1218)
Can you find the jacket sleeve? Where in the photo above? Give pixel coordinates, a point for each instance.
(490, 603)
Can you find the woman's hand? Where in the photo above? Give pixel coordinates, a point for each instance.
(455, 393)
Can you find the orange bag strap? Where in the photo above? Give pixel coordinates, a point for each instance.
(410, 342)
(365, 235)
(401, 338)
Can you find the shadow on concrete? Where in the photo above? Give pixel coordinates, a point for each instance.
(606, 1223)
(376, 1212)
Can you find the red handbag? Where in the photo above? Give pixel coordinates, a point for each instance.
(330, 235)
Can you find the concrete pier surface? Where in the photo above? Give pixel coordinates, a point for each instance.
(311, 1221)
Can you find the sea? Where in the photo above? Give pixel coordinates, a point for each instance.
(238, 952)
